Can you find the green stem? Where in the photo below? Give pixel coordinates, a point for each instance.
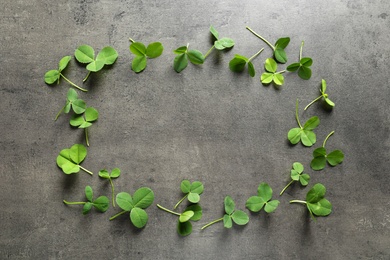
(296, 115)
(300, 52)
(298, 201)
(288, 185)
(255, 55)
(280, 72)
(211, 223)
(59, 113)
(264, 40)
(167, 210)
(326, 139)
(131, 40)
(82, 168)
(74, 202)
(180, 201)
(71, 83)
(117, 215)
(112, 193)
(209, 51)
(86, 77)
(311, 103)
(86, 136)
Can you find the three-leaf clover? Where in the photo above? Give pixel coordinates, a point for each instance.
(143, 53)
(116, 172)
(278, 48)
(263, 199)
(53, 76)
(220, 43)
(142, 198)
(192, 191)
(85, 121)
(305, 133)
(323, 95)
(320, 157)
(237, 64)
(69, 159)
(183, 55)
(101, 203)
(272, 75)
(192, 212)
(86, 54)
(303, 66)
(72, 102)
(315, 201)
(297, 175)
(232, 215)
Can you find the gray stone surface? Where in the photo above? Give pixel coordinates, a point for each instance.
(205, 123)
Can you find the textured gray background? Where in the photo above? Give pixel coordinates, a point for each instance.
(206, 123)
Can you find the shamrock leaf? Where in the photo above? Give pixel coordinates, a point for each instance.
(101, 203)
(85, 121)
(271, 75)
(297, 175)
(116, 172)
(220, 43)
(53, 76)
(320, 157)
(142, 53)
(237, 64)
(72, 102)
(256, 203)
(303, 66)
(135, 205)
(183, 55)
(329, 102)
(69, 159)
(192, 191)
(303, 133)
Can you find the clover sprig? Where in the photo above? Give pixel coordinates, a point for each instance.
(303, 66)
(101, 203)
(297, 174)
(324, 95)
(192, 191)
(143, 53)
(320, 156)
(85, 120)
(237, 64)
(72, 102)
(271, 74)
(69, 159)
(220, 43)
(115, 173)
(262, 200)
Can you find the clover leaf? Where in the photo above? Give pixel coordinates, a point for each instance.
(232, 215)
(116, 172)
(142, 53)
(237, 64)
(303, 133)
(329, 102)
(316, 202)
(72, 102)
(101, 203)
(303, 66)
(191, 213)
(69, 159)
(263, 199)
(279, 52)
(192, 191)
(84, 121)
(220, 43)
(320, 156)
(297, 175)
(272, 75)
(183, 55)
(135, 205)
(53, 76)
(86, 54)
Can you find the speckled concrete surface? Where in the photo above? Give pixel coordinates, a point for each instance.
(206, 123)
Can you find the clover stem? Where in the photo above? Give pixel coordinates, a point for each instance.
(288, 185)
(211, 223)
(86, 136)
(280, 72)
(311, 103)
(131, 40)
(82, 168)
(71, 83)
(86, 77)
(254, 56)
(73, 202)
(180, 201)
(264, 40)
(167, 210)
(326, 139)
(117, 215)
(298, 201)
(300, 52)
(112, 193)
(59, 113)
(209, 51)
(296, 115)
